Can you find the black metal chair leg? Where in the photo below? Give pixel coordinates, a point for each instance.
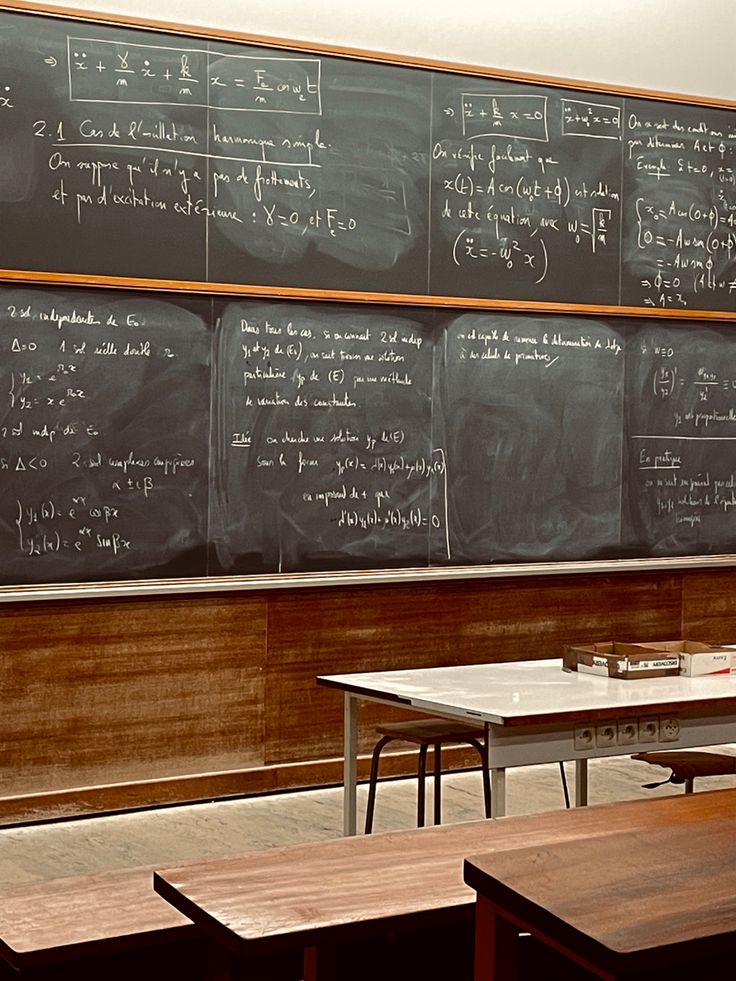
(565, 791)
(421, 782)
(483, 753)
(375, 763)
(437, 783)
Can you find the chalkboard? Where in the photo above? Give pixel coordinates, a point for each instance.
(227, 414)
(267, 167)
(104, 436)
(164, 436)
(681, 441)
(275, 167)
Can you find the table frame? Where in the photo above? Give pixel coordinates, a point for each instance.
(538, 738)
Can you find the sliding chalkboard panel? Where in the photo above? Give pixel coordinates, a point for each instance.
(533, 414)
(141, 155)
(320, 172)
(679, 244)
(158, 436)
(526, 192)
(681, 440)
(149, 156)
(328, 453)
(104, 434)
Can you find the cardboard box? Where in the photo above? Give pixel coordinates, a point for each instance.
(614, 659)
(573, 655)
(698, 659)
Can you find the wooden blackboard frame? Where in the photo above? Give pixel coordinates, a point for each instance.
(377, 577)
(361, 577)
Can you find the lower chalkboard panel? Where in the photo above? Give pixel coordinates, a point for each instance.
(104, 436)
(680, 460)
(158, 436)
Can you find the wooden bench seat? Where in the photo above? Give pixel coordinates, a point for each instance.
(65, 927)
(688, 764)
(110, 926)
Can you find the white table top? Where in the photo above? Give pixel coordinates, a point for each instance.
(501, 693)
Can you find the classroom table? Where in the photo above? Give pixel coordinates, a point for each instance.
(534, 712)
(645, 903)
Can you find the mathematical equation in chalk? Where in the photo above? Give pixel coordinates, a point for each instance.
(110, 71)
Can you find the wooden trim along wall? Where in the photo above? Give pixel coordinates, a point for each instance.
(111, 703)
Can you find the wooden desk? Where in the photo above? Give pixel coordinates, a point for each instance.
(654, 902)
(309, 897)
(537, 713)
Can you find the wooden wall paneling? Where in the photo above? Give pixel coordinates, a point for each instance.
(709, 606)
(200, 696)
(333, 631)
(99, 692)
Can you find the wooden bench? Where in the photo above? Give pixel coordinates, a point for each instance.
(360, 891)
(73, 927)
(110, 926)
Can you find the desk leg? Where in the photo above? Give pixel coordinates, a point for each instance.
(581, 783)
(498, 791)
(320, 963)
(496, 944)
(350, 765)
(221, 964)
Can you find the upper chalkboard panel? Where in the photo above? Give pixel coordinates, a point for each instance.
(151, 156)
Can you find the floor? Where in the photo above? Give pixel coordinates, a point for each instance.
(175, 835)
